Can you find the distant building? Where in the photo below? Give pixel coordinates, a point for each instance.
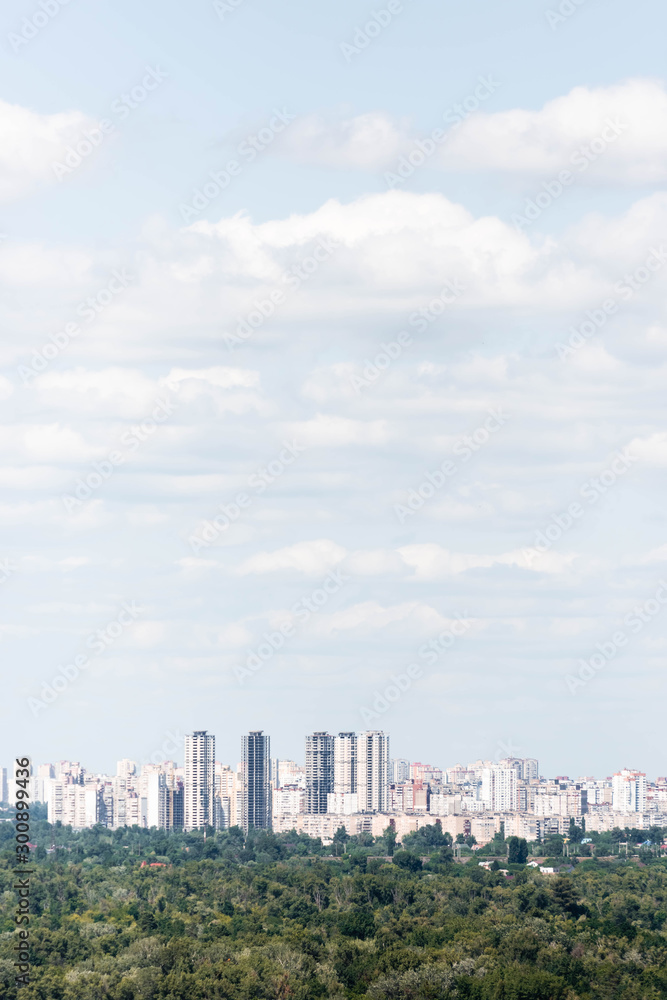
(499, 791)
(319, 771)
(628, 791)
(373, 771)
(345, 764)
(256, 781)
(399, 770)
(199, 784)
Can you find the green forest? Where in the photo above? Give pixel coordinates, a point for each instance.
(134, 913)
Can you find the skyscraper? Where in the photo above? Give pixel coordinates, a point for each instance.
(345, 764)
(373, 771)
(199, 786)
(256, 781)
(319, 771)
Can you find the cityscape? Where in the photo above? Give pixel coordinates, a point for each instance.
(347, 780)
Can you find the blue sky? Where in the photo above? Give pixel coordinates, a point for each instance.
(387, 332)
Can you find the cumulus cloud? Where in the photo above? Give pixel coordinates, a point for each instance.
(543, 142)
(368, 141)
(31, 143)
(517, 140)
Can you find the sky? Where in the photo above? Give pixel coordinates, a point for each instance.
(332, 378)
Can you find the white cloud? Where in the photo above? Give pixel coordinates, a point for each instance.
(651, 449)
(369, 141)
(542, 142)
(408, 618)
(516, 140)
(225, 378)
(330, 431)
(313, 558)
(31, 143)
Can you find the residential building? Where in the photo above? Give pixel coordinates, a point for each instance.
(345, 764)
(256, 781)
(199, 785)
(373, 771)
(629, 791)
(399, 770)
(319, 771)
(499, 789)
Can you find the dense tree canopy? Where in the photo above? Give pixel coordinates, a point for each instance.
(142, 915)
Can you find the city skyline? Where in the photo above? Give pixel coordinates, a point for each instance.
(170, 747)
(343, 757)
(347, 780)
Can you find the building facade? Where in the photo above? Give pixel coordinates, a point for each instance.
(373, 771)
(257, 806)
(319, 771)
(199, 785)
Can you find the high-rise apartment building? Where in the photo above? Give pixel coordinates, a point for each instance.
(526, 767)
(199, 785)
(319, 771)
(499, 791)
(345, 764)
(256, 781)
(126, 769)
(399, 770)
(4, 789)
(373, 771)
(629, 791)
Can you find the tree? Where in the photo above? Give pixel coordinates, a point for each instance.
(389, 836)
(340, 839)
(517, 850)
(576, 833)
(408, 861)
(553, 845)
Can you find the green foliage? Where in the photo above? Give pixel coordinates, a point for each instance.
(277, 917)
(517, 853)
(410, 862)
